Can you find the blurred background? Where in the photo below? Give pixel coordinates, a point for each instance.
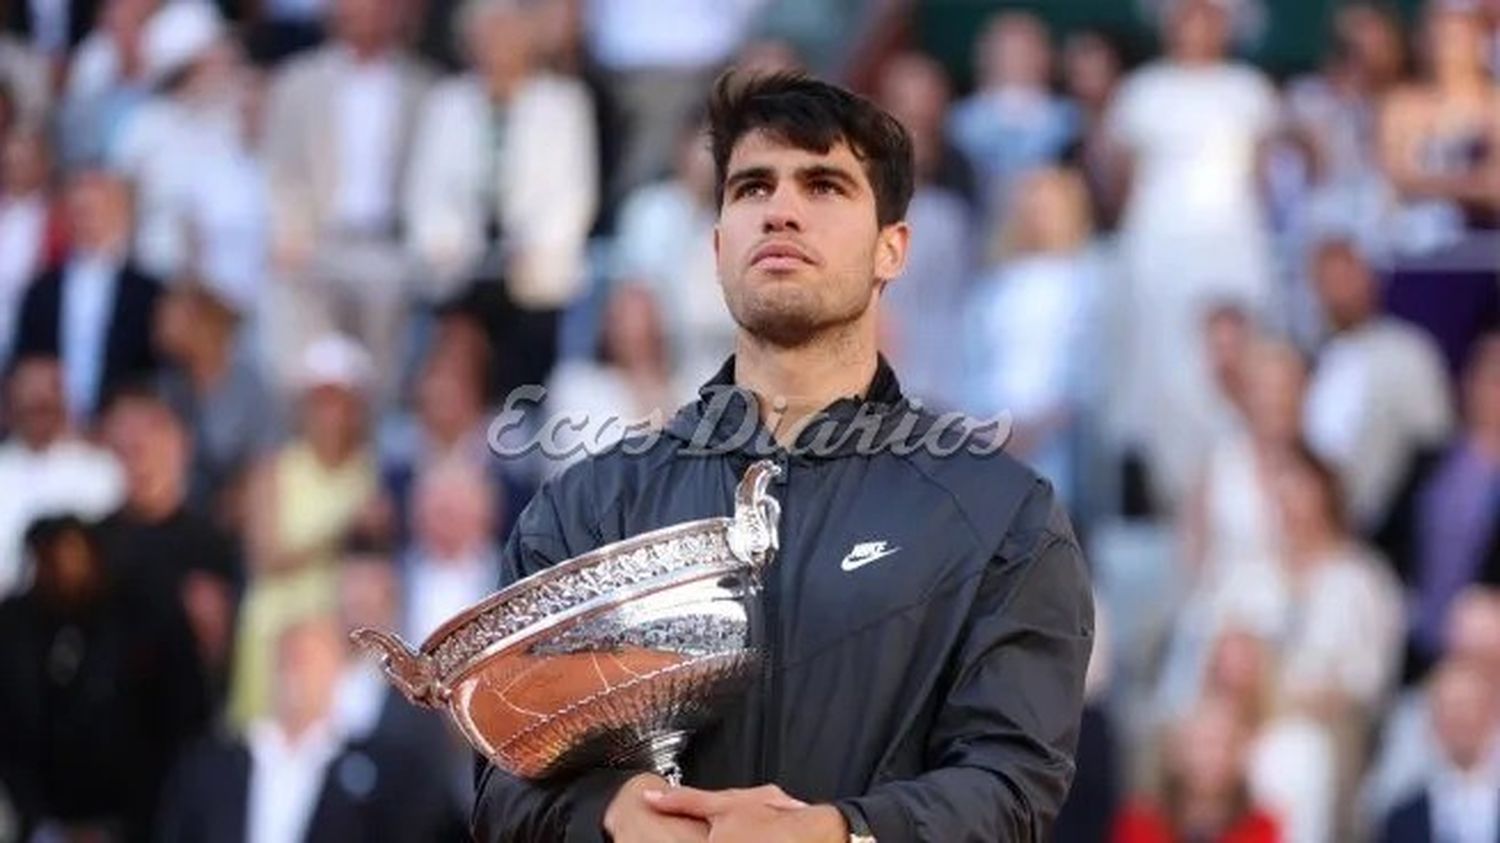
(268, 267)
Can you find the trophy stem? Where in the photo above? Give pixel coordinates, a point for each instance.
(659, 753)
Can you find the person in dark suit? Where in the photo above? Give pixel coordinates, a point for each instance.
(1461, 799)
(94, 311)
(1442, 532)
(299, 775)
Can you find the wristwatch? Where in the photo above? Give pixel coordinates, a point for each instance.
(859, 829)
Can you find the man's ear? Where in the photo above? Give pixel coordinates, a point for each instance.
(890, 250)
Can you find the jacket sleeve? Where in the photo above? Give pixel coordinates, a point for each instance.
(515, 810)
(1000, 752)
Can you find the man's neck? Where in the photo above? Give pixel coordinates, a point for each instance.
(794, 384)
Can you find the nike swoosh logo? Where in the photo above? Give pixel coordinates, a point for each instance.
(864, 554)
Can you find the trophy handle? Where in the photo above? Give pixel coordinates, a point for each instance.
(752, 536)
(413, 673)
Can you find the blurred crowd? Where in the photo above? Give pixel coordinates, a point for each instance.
(267, 269)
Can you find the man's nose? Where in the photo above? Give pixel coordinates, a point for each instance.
(783, 212)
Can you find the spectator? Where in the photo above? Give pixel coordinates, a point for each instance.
(453, 561)
(1440, 147)
(172, 560)
(502, 183)
(1461, 799)
(339, 125)
(1230, 334)
(659, 56)
(25, 79)
(371, 713)
(296, 776)
(1191, 126)
(1031, 322)
(664, 243)
(94, 312)
(1204, 792)
(303, 499)
(1013, 122)
(1230, 519)
(1333, 116)
(28, 224)
(1410, 751)
(923, 308)
(1379, 393)
(50, 470)
(201, 198)
(97, 696)
(211, 386)
(626, 390)
(449, 424)
(106, 81)
(1442, 532)
(1092, 71)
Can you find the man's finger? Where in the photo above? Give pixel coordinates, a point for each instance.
(688, 801)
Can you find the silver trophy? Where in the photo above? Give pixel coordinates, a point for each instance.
(609, 659)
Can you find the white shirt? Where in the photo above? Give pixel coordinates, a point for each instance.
(439, 590)
(360, 699)
(658, 34)
(1378, 394)
(1465, 805)
(23, 226)
(285, 780)
(369, 113)
(88, 303)
(200, 194)
(69, 477)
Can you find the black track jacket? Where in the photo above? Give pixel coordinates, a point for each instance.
(938, 687)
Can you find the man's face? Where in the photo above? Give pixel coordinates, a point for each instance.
(153, 451)
(98, 211)
(799, 247)
(1345, 286)
(37, 407)
(368, 24)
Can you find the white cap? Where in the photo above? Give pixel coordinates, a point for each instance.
(336, 360)
(179, 32)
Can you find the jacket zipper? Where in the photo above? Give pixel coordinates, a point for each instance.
(770, 723)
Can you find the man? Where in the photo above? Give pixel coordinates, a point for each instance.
(930, 690)
(95, 311)
(339, 124)
(299, 775)
(171, 558)
(1379, 394)
(97, 698)
(1460, 800)
(58, 471)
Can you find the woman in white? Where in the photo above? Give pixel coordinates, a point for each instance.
(200, 194)
(1030, 320)
(504, 167)
(1192, 127)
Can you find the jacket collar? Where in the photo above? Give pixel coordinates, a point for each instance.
(726, 418)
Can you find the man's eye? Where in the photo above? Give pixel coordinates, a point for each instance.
(752, 189)
(827, 187)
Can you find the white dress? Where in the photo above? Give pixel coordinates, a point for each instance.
(1193, 235)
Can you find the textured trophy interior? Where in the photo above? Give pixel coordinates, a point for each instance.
(594, 690)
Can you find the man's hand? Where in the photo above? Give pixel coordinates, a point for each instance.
(763, 813)
(631, 819)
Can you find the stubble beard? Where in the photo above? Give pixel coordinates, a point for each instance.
(792, 315)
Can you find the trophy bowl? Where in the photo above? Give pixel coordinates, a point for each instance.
(609, 659)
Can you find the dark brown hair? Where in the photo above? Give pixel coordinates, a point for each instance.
(813, 115)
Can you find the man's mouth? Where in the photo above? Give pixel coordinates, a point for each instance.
(780, 256)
